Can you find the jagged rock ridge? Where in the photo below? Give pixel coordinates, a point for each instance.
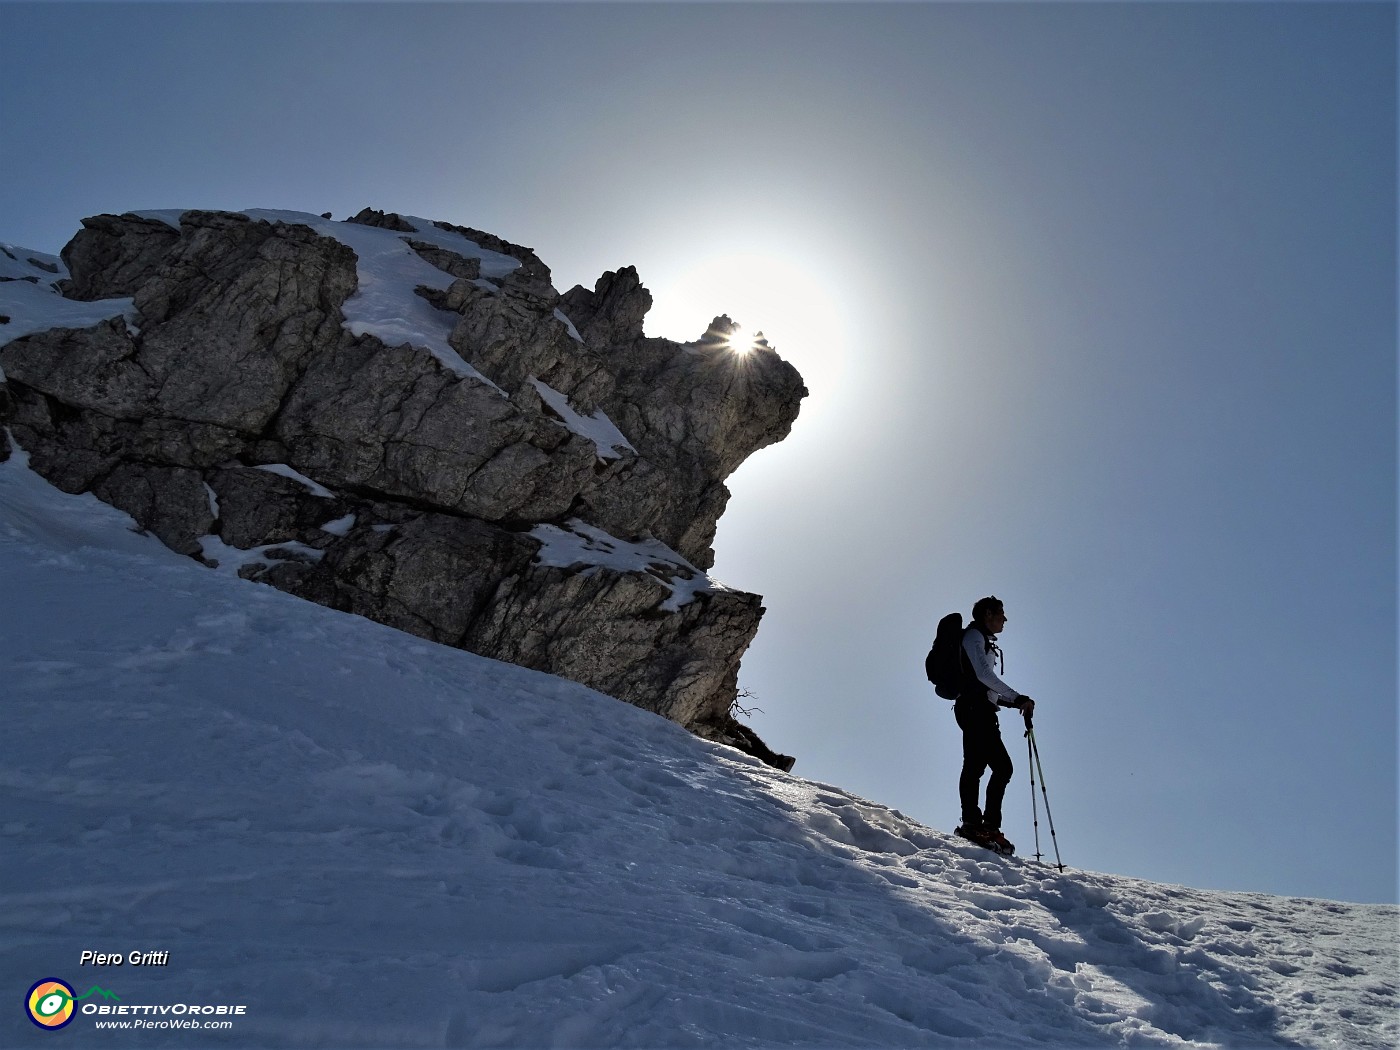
(405, 420)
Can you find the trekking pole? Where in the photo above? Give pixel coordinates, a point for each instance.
(1035, 751)
(1035, 813)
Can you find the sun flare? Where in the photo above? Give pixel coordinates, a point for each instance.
(740, 342)
(794, 304)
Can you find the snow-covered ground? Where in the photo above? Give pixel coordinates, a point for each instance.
(362, 839)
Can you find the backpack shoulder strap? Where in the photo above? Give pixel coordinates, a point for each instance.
(991, 646)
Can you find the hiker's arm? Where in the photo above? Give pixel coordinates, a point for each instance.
(974, 645)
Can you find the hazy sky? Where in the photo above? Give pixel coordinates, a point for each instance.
(1097, 303)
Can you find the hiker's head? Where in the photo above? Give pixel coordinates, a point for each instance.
(989, 614)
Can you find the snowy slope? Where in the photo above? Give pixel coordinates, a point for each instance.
(367, 840)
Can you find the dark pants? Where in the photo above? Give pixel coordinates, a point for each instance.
(982, 747)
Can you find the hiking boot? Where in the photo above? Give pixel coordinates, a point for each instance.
(997, 841)
(973, 833)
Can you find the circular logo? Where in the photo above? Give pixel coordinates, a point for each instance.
(50, 1003)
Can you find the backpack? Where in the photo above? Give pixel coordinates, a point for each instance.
(943, 665)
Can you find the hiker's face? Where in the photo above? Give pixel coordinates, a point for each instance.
(996, 620)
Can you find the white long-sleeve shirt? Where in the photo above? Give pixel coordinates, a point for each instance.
(975, 646)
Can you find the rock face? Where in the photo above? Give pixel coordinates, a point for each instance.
(404, 420)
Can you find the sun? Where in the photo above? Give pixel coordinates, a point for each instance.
(740, 342)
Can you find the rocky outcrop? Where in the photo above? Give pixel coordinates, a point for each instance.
(405, 420)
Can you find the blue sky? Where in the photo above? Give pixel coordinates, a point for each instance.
(1096, 301)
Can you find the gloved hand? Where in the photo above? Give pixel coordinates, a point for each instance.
(1026, 706)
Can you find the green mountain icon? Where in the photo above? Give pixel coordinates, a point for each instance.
(99, 991)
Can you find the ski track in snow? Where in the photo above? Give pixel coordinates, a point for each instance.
(375, 841)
